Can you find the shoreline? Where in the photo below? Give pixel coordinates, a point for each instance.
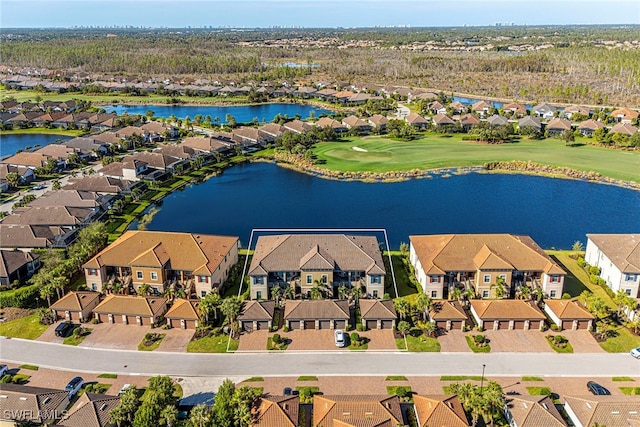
(334, 108)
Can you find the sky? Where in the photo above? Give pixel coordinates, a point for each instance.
(312, 13)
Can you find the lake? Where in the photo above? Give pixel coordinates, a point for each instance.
(11, 143)
(555, 212)
(242, 113)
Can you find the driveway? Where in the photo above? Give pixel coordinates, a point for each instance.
(453, 341)
(313, 339)
(256, 340)
(176, 340)
(49, 335)
(582, 341)
(121, 337)
(518, 341)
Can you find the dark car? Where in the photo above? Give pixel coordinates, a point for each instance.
(597, 389)
(74, 386)
(64, 329)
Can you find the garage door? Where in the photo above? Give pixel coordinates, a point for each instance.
(340, 324)
(190, 324)
(75, 316)
(247, 326)
(325, 324)
(518, 324)
(583, 325)
(372, 324)
(387, 324)
(145, 321)
(567, 325)
(309, 324)
(263, 325)
(294, 324)
(503, 324)
(456, 325)
(442, 324)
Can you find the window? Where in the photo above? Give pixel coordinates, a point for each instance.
(630, 277)
(94, 287)
(139, 274)
(376, 279)
(552, 294)
(202, 279)
(485, 294)
(309, 279)
(503, 277)
(375, 294)
(434, 279)
(203, 294)
(487, 278)
(434, 294)
(324, 278)
(555, 278)
(154, 275)
(92, 272)
(259, 295)
(258, 280)
(628, 292)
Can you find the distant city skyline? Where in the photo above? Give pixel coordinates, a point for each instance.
(312, 13)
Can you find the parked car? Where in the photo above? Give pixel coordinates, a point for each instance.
(64, 329)
(340, 338)
(287, 391)
(123, 388)
(635, 352)
(74, 386)
(597, 389)
(4, 370)
(39, 187)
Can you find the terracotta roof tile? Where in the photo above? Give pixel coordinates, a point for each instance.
(534, 411)
(439, 411)
(315, 310)
(376, 309)
(132, 305)
(568, 309)
(610, 411)
(257, 310)
(507, 310)
(184, 309)
(447, 310)
(276, 411)
(75, 301)
(622, 249)
(360, 411)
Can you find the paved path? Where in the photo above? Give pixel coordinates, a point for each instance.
(403, 111)
(315, 363)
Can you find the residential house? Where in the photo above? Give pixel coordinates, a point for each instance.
(544, 111)
(379, 122)
(130, 309)
(458, 107)
(198, 263)
(184, 314)
(497, 120)
(297, 126)
(468, 121)
(256, 315)
(481, 107)
(377, 314)
(507, 314)
(439, 410)
(572, 110)
(272, 130)
(326, 94)
(557, 126)
(589, 127)
(479, 261)
(442, 121)
(624, 115)
(357, 410)
(530, 122)
(17, 266)
(128, 132)
(248, 136)
(569, 314)
(91, 410)
(303, 261)
(275, 411)
(437, 108)
(87, 147)
(28, 237)
(415, 120)
(532, 411)
(358, 125)
(624, 129)
(328, 122)
(68, 219)
(516, 110)
(74, 199)
(317, 314)
(99, 184)
(76, 306)
(206, 144)
(610, 410)
(32, 405)
(28, 160)
(108, 138)
(178, 151)
(449, 315)
(618, 257)
(304, 92)
(156, 131)
(343, 96)
(25, 173)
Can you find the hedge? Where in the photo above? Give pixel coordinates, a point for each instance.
(24, 297)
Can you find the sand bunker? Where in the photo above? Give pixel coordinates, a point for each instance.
(362, 150)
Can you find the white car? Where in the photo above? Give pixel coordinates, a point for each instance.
(636, 352)
(123, 388)
(339, 338)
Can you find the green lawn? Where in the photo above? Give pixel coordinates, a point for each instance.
(28, 327)
(418, 344)
(442, 151)
(539, 391)
(212, 344)
(630, 391)
(30, 367)
(405, 285)
(472, 345)
(460, 378)
(112, 376)
(253, 380)
(623, 342)
(74, 339)
(396, 378)
(532, 379)
(622, 379)
(52, 131)
(307, 378)
(566, 349)
(145, 346)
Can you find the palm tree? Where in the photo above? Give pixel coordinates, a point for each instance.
(116, 288)
(538, 293)
(231, 308)
(402, 307)
(456, 294)
(424, 304)
(169, 415)
(289, 293)
(343, 292)
(144, 289)
(276, 294)
(403, 328)
(209, 304)
(199, 416)
(356, 293)
(316, 293)
(498, 290)
(524, 292)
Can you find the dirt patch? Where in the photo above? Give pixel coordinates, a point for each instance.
(12, 313)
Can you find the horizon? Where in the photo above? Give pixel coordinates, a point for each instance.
(312, 14)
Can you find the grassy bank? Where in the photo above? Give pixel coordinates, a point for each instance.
(435, 151)
(40, 130)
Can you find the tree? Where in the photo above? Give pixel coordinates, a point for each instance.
(169, 416)
(343, 292)
(124, 412)
(403, 327)
(199, 416)
(55, 185)
(577, 246)
(276, 294)
(223, 410)
(13, 179)
(404, 249)
(231, 121)
(423, 304)
(289, 292)
(402, 307)
(315, 292)
(624, 304)
(231, 308)
(144, 289)
(242, 401)
(209, 305)
(568, 137)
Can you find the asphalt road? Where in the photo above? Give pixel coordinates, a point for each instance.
(123, 362)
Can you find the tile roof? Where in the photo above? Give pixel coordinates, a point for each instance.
(57, 151)
(132, 305)
(75, 301)
(439, 411)
(99, 184)
(534, 411)
(530, 121)
(480, 106)
(378, 119)
(610, 411)
(443, 119)
(272, 129)
(447, 310)
(184, 309)
(12, 261)
(624, 128)
(360, 411)
(415, 118)
(71, 198)
(30, 402)
(49, 215)
(276, 411)
(377, 309)
(469, 119)
(316, 310)
(90, 410)
(354, 122)
(440, 253)
(591, 124)
(27, 159)
(325, 122)
(622, 249)
(257, 310)
(507, 310)
(285, 252)
(516, 108)
(27, 236)
(625, 113)
(559, 124)
(198, 253)
(297, 126)
(568, 309)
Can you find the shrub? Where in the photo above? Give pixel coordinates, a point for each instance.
(594, 270)
(555, 327)
(360, 327)
(581, 262)
(148, 336)
(593, 278)
(95, 321)
(566, 296)
(479, 329)
(286, 329)
(354, 337)
(277, 339)
(6, 379)
(479, 339)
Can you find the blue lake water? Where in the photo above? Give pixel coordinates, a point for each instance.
(555, 212)
(10, 144)
(242, 113)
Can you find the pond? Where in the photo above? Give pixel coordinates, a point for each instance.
(554, 212)
(242, 113)
(11, 143)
